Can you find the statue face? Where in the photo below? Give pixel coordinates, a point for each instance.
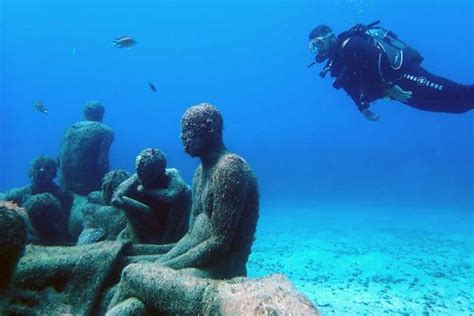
(194, 142)
(43, 171)
(150, 165)
(148, 175)
(201, 129)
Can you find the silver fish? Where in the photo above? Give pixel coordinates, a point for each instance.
(39, 106)
(124, 42)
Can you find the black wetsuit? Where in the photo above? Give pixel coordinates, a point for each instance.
(356, 67)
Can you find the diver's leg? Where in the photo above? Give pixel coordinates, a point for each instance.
(436, 94)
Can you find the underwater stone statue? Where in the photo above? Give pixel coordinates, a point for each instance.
(218, 244)
(94, 111)
(78, 273)
(147, 288)
(43, 170)
(13, 235)
(93, 218)
(111, 182)
(47, 218)
(102, 223)
(47, 204)
(81, 275)
(84, 152)
(155, 200)
(225, 204)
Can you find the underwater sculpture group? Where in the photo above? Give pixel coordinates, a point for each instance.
(139, 244)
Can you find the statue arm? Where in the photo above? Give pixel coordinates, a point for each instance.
(229, 198)
(105, 143)
(125, 188)
(195, 206)
(16, 195)
(169, 194)
(186, 242)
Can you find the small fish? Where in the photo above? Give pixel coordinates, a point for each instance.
(39, 106)
(124, 42)
(152, 86)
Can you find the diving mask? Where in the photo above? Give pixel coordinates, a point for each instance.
(321, 46)
(316, 44)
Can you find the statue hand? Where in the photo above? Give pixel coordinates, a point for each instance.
(117, 202)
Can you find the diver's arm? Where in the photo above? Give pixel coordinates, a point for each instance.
(362, 106)
(397, 93)
(361, 59)
(359, 54)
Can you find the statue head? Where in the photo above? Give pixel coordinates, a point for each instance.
(201, 129)
(110, 183)
(94, 111)
(43, 170)
(150, 165)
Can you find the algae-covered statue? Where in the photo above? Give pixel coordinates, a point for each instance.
(13, 236)
(202, 273)
(93, 218)
(156, 201)
(164, 291)
(225, 202)
(48, 205)
(223, 223)
(84, 152)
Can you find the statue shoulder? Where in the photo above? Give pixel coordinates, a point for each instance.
(176, 178)
(173, 172)
(198, 172)
(233, 168)
(233, 162)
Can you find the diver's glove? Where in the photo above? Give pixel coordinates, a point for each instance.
(397, 93)
(369, 115)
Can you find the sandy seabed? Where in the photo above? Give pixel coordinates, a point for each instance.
(371, 261)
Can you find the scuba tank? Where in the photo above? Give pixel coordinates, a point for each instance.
(397, 51)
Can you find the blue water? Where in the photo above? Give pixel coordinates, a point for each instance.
(306, 141)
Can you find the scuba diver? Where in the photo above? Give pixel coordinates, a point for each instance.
(371, 63)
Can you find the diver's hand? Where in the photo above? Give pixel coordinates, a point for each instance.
(369, 115)
(398, 93)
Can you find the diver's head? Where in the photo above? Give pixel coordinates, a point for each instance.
(322, 41)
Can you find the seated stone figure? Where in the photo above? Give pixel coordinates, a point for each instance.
(155, 200)
(81, 280)
(225, 202)
(272, 295)
(95, 213)
(223, 223)
(84, 152)
(98, 219)
(47, 204)
(13, 234)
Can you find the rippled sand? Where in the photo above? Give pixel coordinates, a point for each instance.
(359, 261)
